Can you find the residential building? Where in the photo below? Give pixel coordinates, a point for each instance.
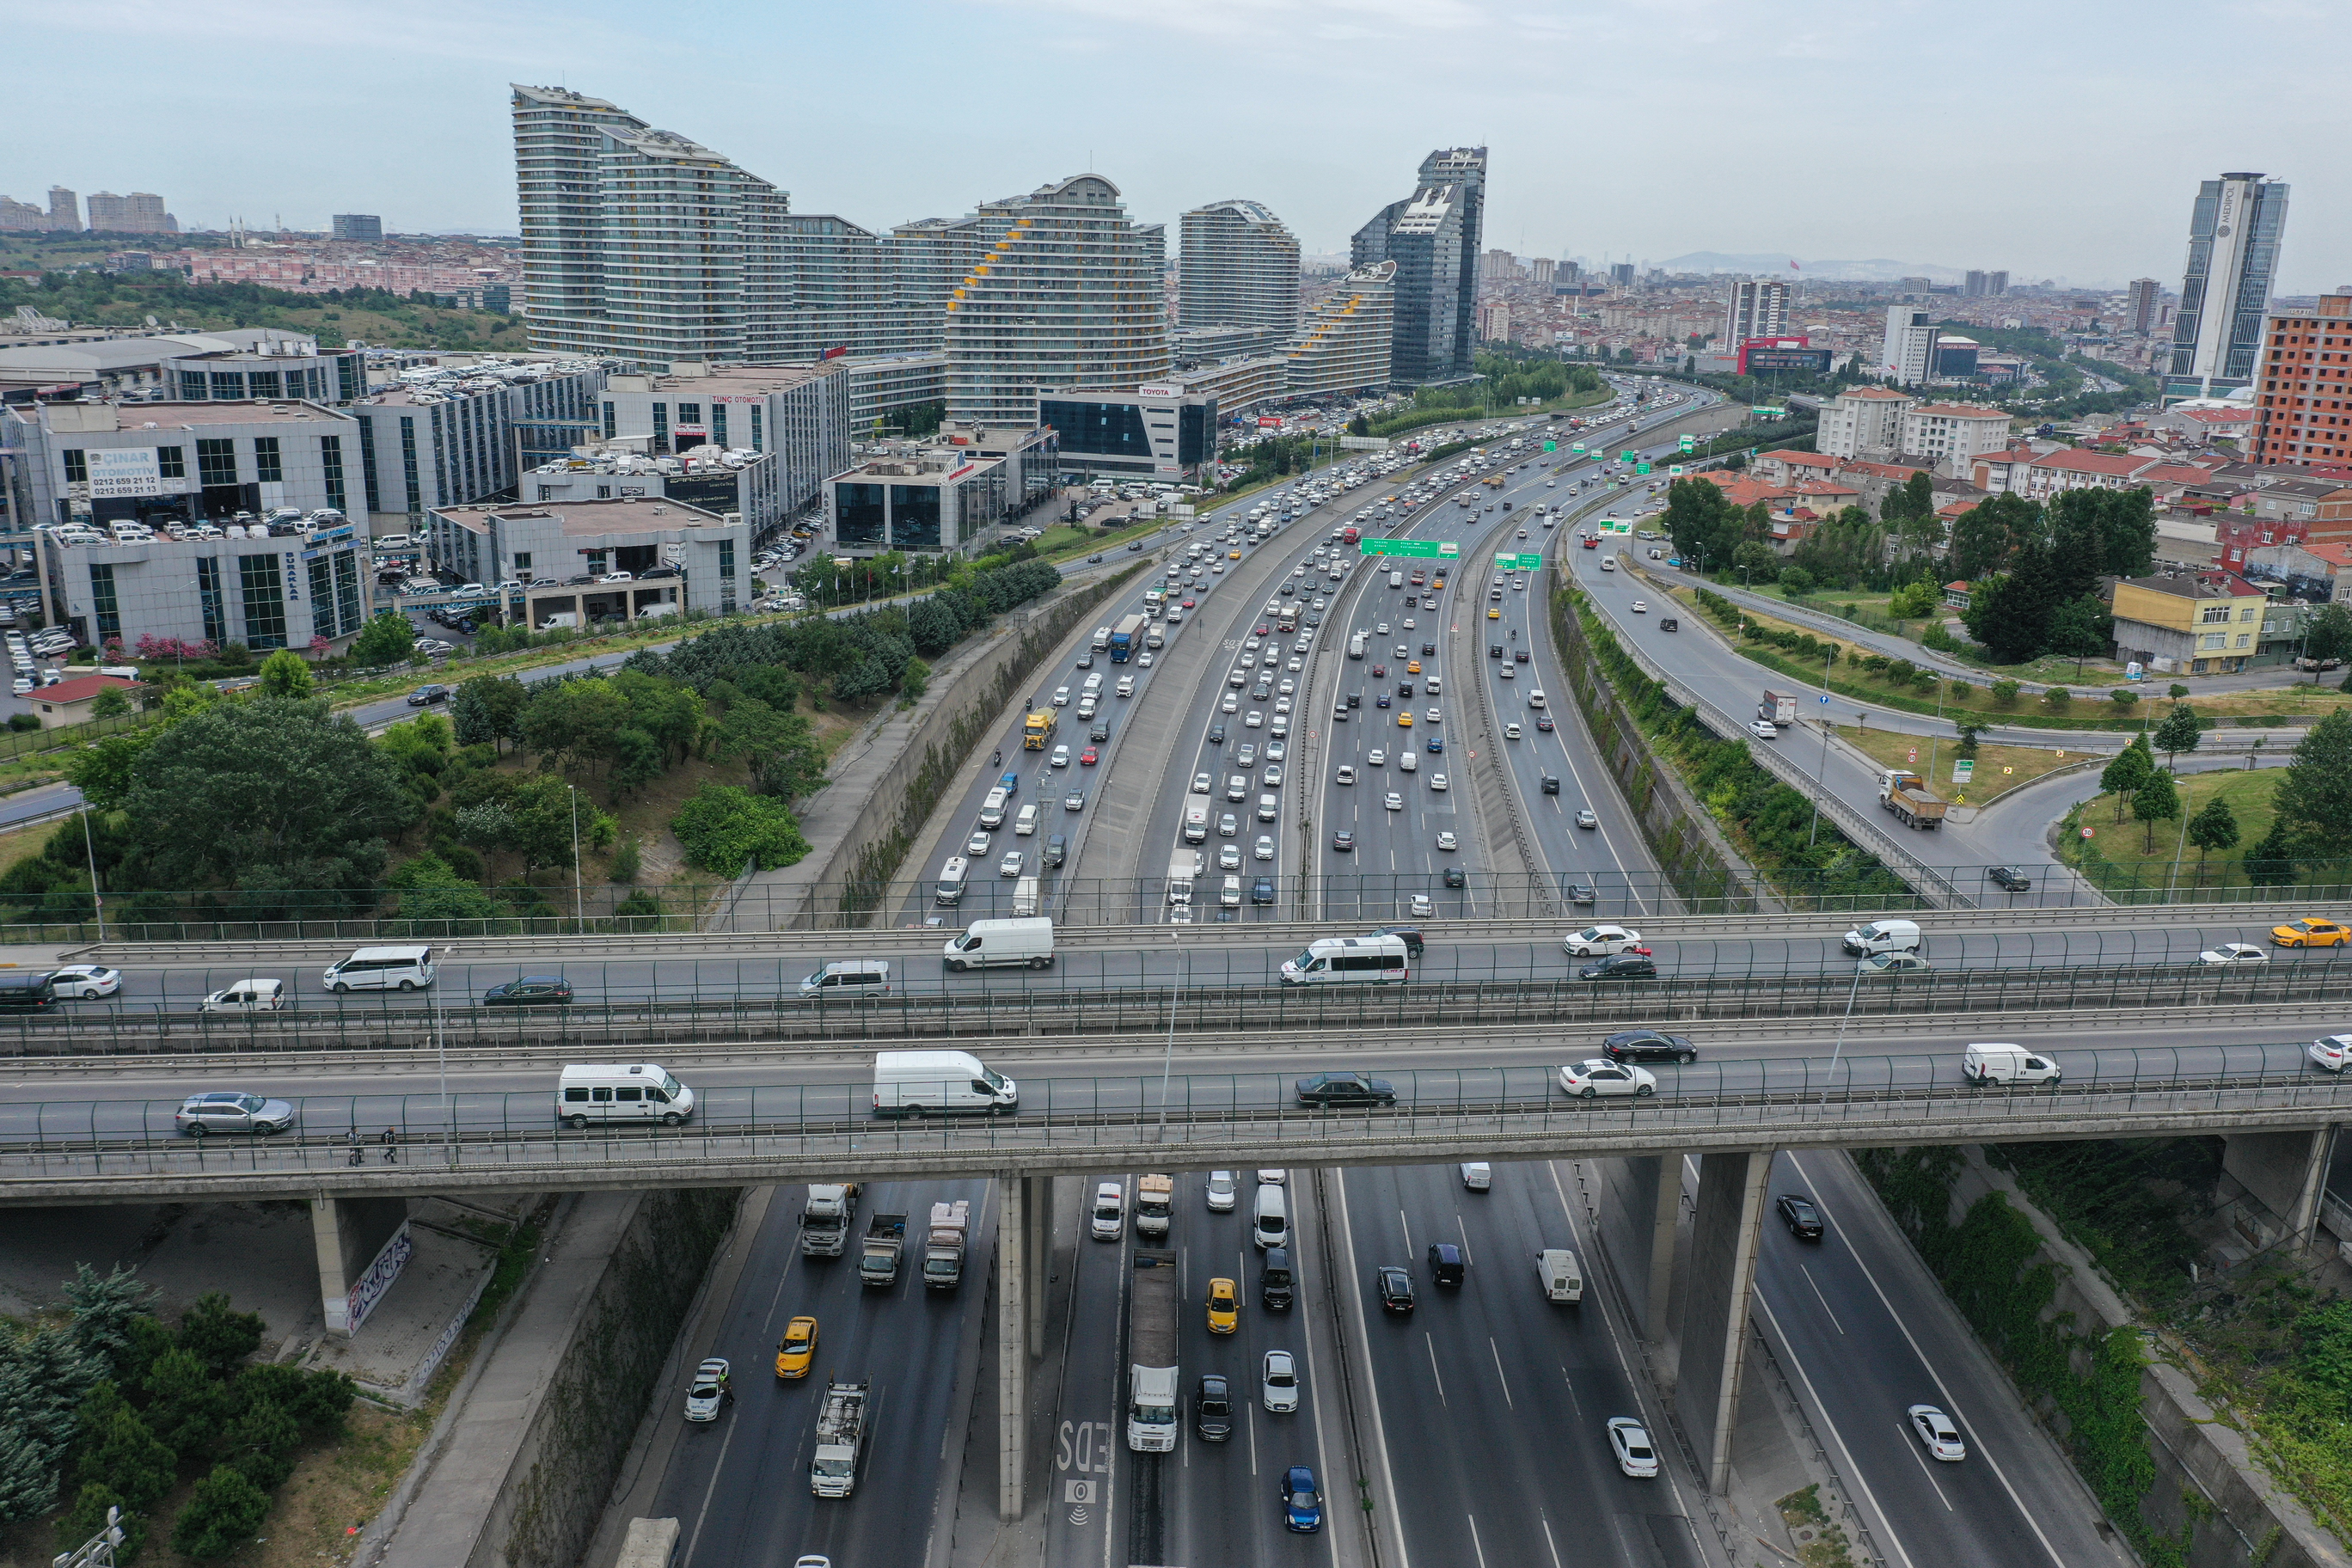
(2303, 394)
(1163, 432)
(140, 212)
(1540, 271)
(669, 557)
(1865, 419)
(800, 414)
(1349, 340)
(942, 495)
(358, 226)
(2199, 624)
(1981, 285)
(1067, 293)
(450, 434)
(1238, 272)
(1494, 323)
(1951, 433)
(2071, 468)
(1433, 235)
(65, 209)
(1755, 310)
(1908, 351)
(21, 217)
(1620, 274)
(2234, 232)
(2141, 303)
(1499, 266)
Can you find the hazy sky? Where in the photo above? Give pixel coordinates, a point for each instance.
(2060, 139)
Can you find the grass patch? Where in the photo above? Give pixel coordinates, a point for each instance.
(1819, 1540)
(2124, 845)
(2000, 769)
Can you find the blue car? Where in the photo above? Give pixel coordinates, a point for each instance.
(1437, 742)
(1302, 1505)
(1012, 783)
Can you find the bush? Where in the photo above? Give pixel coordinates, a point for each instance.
(1925, 680)
(21, 722)
(726, 830)
(1960, 691)
(2123, 697)
(2058, 697)
(2004, 693)
(221, 1514)
(624, 860)
(1796, 582)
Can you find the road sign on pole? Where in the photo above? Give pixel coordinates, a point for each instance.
(1401, 547)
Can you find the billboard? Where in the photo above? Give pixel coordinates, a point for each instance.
(116, 471)
(1363, 443)
(1269, 422)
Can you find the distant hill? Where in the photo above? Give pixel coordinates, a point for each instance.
(1876, 270)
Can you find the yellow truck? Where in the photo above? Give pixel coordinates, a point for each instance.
(1037, 730)
(1907, 795)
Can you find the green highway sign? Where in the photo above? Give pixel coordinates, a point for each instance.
(1551, 446)
(1676, 471)
(1641, 467)
(1518, 563)
(1628, 455)
(1761, 412)
(1400, 547)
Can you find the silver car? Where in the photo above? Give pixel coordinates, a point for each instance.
(228, 1110)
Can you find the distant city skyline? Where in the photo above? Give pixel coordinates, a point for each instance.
(1297, 79)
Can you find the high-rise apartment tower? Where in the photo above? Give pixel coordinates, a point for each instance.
(1433, 236)
(1759, 310)
(1238, 267)
(2234, 231)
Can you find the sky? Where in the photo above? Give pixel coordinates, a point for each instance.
(2054, 141)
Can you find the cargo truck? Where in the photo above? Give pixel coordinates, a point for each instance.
(1101, 639)
(824, 1219)
(885, 1239)
(1151, 1396)
(1779, 707)
(1182, 867)
(1126, 637)
(1155, 1201)
(840, 1438)
(1037, 729)
(1907, 795)
(943, 1247)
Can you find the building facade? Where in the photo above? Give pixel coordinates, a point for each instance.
(677, 557)
(943, 495)
(2142, 300)
(1908, 353)
(1983, 285)
(1161, 433)
(800, 414)
(1755, 310)
(1433, 236)
(157, 464)
(1237, 269)
(1866, 419)
(140, 212)
(2234, 232)
(358, 226)
(1951, 433)
(2304, 393)
(461, 432)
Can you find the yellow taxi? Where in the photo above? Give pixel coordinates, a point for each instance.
(1405, 720)
(1412, 666)
(1232, 554)
(2311, 932)
(1437, 581)
(1494, 615)
(1224, 1307)
(798, 1350)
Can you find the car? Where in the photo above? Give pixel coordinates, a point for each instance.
(1798, 1213)
(1405, 720)
(1393, 801)
(707, 1392)
(1446, 839)
(1088, 757)
(1225, 1307)
(1264, 849)
(1437, 782)
(1543, 722)
(1599, 941)
(1342, 841)
(1061, 697)
(1629, 1440)
(1622, 966)
(1075, 801)
(798, 1348)
(1493, 650)
(1937, 1431)
(1202, 784)
(2311, 932)
(1764, 729)
(1279, 1383)
(1376, 757)
(1380, 671)
(251, 995)
(1086, 659)
(1060, 758)
(1381, 701)
(1412, 666)
(1229, 857)
(1393, 1285)
(1521, 657)
(1493, 614)
(1222, 1192)
(1420, 906)
(1302, 1502)
(1346, 775)
(1212, 1409)
(531, 991)
(2329, 1052)
(1217, 734)
(85, 980)
(424, 696)
(2233, 953)
(1327, 1089)
(231, 1111)
(1641, 608)
(1010, 866)
(1510, 731)
(2009, 879)
(1648, 1046)
(1885, 963)
(1600, 1076)
(1454, 877)
(1255, 719)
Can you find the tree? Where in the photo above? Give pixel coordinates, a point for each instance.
(1914, 601)
(260, 1443)
(2157, 800)
(2214, 827)
(785, 760)
(1796, 582)
(286, 674)
(489, 707)
(1702, 525)
(103, 1306)
(2082, 629)
(122, 1452)
(45, 1377)
(1754, 559)
(2328, 633)
(186, 1405)
(219, 1335)
(387, 638)
(729, 831)
(223, 1512)
(2128, 771)
(1970, 730)
(2178, 733)
(2314, 799)
(2272, 863)
(573, 720)
(112, 703)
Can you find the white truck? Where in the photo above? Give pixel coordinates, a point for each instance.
(840, 1438)
(943, 1245)
(1182, 867)
(824, 1218)
(1025, 942)
(1562, 1279)
(1152, 1393)
(1155, 1202)
(1779, 707)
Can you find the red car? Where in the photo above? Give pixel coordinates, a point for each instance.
(1188, 604)
(1378, 670)
(1088, 759)
(1263, 631)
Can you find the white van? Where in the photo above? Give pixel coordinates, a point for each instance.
(1127, 686)
(992, 809)
(381, 969)
(1108, 1221)
(1269, 808)
(1025, 898)
(1477, 1175)
(246, 996)
(1270, 1220)
(2008, 1064)
(949, 891)
(630, 1092)
(1885, 936)
(1562, 1279)
(1229, 896)
(1025, 824)
(1196, 824)
(1535, 699)
(846, 980)
(913, 1083)
(988, 944)
(1340, 960)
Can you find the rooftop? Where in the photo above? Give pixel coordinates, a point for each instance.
(729, 380)
(2079, 462)
(103, 417)
(582, 518)
(1962, 410)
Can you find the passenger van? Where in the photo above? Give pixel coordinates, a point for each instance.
(1270, 1220)
(633, 1093)
(950, 892)
(992, 809)
(1340, 960)
(912, 1083)
(381, 969)
(1885, 936)
(1025, 824)
(2008, 1064)
(847, 979)
(1027, 942)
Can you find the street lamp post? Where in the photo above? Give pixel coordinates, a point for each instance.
(89, 848)
(579, 889)
(1821, 772)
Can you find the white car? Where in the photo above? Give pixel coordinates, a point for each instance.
(1274, 1178)
(1764, 729)
(1640, 608)
(1510, 731)
(706, 1395)
(1590, 1080)
(76, 980)
(1229, 857)
(1434, 717)
(1381, 628)
(1109, 1219)
(1264, 848)
(1376, 757)
(2233, 953)
(1395, 802)
(1144, 659)
(1061, 697)
(1420, 907)
(1445, 840)
(1255, 719)
(1630, 1441)
(1937, 1432)
(1437, 782)
(1011, 865)
(1231, 704)
(1600, 942)
(1279, 1383)
(1061, 757)
(2329, 1052)
(1221, 1190)
(1202, 784)
(1408, 622)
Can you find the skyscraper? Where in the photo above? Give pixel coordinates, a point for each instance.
(1238, 267)
(1909, 352)
(2234, 231)
(557, 134)
(1759, 310)
(140, 212)
(2140, 305)
(1065, 292)
(358, 226)
(65, 208)
(1433, 236)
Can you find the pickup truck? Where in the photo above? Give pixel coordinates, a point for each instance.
(840, 1438)
(943, 1247)
(886, 1239)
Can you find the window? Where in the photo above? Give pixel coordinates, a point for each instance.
(77, 466)
(755, 429)
(228, 386)
(216, 462)
(857, 513)
(208, 594)
(330, 458)
(192, 386)
(2247, 614)
(102, 600)
(661, 427)
(171, 462)
(262, 383)
(266, 467)
(367, 462)
(322, 595)
(608, 422)
(2212, 613)
(264, 592)
(2246, 638)
(718, 423)
(408, 463)
(2213, 641)
(347, 594)
(726, 559)
(522, 562)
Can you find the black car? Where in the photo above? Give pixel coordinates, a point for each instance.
(1217, 734)
(1395, 1288)
(1412, 935)
(1457, 878)
(1493, 650)
(1345, 1088)
(531, 991)
(1101, 731)
(1086, 660)
(1648, 1046)
(1519, 656)
(425, 695)
(1094, 559)
(1620, 966)
(1342, 841)
(1404, 688)
(1804, 1221)
(1212, 1409)
(1580, 893)
(1543, 722)
(1136, 546)
(1445, 1263)
(1261, 891)
(2006, 877)
(1550, 784)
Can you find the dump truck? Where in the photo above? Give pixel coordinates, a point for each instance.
(1907, 795)
(1779, 707)
(1155, 1201)
(1126, 637)
(1037, 730)
(824, 1219)
(1151, 1396)
(943, 1247)
(885, 1239)
(840, 1438)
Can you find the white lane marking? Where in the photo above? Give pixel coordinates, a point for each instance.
(1431, 1345)
(1549, 1543)
(1403, 1226)
(1572, 1399)
(1500, 1377)
(1824, 1301)
(1886, 1525)
(1475, 1546)
(1372, 1392)
(1464, 1226)
(1951, 1405)
(1910, 1442)
(708, 1492)
(1251, 1408)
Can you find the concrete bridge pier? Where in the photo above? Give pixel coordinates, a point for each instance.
(1015, 1248)
(361, 1245)
(2280, 1177)
(1725, 1236)
(1037, 1206)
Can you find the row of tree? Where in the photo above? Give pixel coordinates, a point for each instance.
(2034, 571)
